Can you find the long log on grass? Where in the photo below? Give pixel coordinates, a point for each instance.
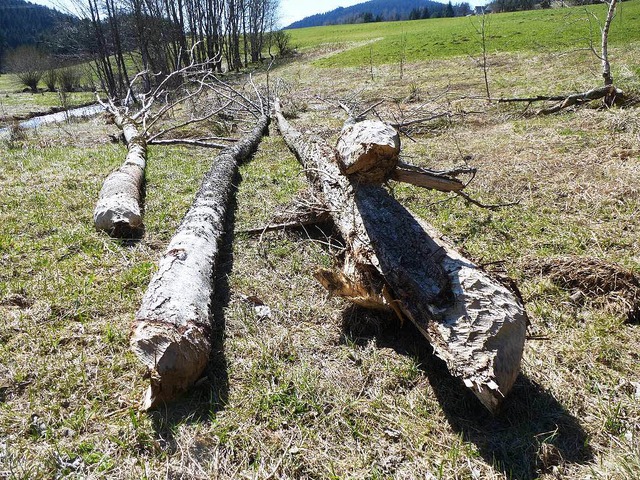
(395, 261)
(119, 210)
(171, 332)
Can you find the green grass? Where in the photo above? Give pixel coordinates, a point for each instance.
(539, 30)
(320, 389)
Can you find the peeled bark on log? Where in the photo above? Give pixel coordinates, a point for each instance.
(172, 327)
(393, 261)
(423, 178)
(118, 211)
(369, 150)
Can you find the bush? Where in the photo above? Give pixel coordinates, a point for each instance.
(50, 78)
(282, 40)
(69, 79)
(28, 63)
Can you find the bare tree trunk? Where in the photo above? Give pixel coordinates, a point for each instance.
(393, 262)
(118, 211)
(171, 330)
(606, 67)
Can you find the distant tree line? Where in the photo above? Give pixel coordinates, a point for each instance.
(24, 23)
(440, 11)
(122, 37)
(385, 10)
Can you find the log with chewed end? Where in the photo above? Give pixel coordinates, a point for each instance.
(481, 335)
(171, 332)
(118, 211)
(395, 261)
(368, 150)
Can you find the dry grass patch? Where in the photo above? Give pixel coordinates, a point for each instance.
(316, 388)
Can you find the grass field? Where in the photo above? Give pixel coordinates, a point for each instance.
(319, 389)
(539, 31)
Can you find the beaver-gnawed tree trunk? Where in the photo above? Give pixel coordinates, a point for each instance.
(171, 333)
(395, 261)
(119, 207)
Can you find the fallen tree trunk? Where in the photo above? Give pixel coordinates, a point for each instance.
(119, 211)
(608, 92)
(393, 261)
(172, 327)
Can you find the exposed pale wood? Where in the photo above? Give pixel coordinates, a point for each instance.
(537, 98)
(424, 178)
(397, 262)
(171, 330)
(118, 210)
(368, 150)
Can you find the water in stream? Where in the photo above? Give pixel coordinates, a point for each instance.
(59, 117)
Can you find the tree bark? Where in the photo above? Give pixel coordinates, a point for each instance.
(608, 92)
(172, 327)
(393, 261)
(606, 66)
(118, 211)
(424, 178)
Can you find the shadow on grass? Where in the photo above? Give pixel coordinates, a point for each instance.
(212, 392)
(531, 434)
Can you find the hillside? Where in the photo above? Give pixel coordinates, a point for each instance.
(25, 23)
(537, 30)
(373, 10)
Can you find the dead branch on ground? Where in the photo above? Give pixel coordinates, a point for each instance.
(609, 94)
(119, 210)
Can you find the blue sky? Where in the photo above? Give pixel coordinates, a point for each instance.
(292, 10)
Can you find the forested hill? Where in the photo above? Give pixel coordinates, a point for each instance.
(24, 22)
(382, 10)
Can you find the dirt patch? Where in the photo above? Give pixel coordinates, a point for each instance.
(16, 300)
(589, 279)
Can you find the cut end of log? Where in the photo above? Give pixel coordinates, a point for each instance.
(117, 225)
(118, 211)
(175, 358)
(368, 151)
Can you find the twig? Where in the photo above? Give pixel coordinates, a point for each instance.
(283, 226)
(494, 206)
(186, 141)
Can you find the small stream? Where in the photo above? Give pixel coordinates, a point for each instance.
(58, 117)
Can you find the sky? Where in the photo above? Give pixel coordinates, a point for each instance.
(290, 10)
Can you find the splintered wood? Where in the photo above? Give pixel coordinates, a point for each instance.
(368, 149)
(398, 262)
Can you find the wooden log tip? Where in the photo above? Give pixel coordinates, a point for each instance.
(175, 358)
(368, 150)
